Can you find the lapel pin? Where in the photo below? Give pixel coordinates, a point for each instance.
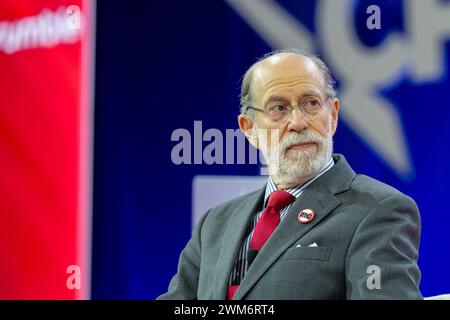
(306, 216)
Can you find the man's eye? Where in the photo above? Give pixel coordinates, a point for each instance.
(278, 108)
(312, 104)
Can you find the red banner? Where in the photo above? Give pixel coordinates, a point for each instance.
(45, 99)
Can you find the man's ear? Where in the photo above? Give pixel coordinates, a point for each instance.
(247, 126)
(334, 114)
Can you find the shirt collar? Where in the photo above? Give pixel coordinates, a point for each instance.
(297, 191)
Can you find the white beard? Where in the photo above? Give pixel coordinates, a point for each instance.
(294, 167)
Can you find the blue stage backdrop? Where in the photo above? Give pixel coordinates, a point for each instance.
(163, 65)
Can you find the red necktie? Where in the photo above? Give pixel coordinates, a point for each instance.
(266, 225)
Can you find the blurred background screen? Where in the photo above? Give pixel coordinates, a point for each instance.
(44, 119)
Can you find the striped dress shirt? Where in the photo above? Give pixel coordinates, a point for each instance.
(241, 265)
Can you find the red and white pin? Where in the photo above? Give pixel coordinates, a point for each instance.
(306, 216)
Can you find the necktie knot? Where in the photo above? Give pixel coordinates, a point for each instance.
(280, 199)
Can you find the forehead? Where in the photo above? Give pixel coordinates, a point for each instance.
(286, 75)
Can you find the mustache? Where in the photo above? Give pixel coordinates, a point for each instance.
(292, 138)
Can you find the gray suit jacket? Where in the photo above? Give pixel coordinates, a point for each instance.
(361, 226)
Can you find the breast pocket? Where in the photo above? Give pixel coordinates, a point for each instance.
(308, 253)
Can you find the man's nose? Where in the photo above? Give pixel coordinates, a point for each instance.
(297, 120)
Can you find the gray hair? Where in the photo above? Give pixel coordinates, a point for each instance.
(246, 88)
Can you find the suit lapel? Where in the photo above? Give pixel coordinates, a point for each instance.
(320, 197)
(233, 237)
(287, 233)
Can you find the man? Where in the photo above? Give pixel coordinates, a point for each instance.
(316, 230)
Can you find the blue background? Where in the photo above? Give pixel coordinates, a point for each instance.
(161, 65)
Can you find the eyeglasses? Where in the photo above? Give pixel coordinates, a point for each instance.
(279, 111)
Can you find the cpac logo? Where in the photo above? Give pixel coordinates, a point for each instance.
(418, 55)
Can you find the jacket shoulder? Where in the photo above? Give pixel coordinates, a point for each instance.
(374, 190)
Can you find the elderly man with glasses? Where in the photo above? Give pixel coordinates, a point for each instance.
(316, 230)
